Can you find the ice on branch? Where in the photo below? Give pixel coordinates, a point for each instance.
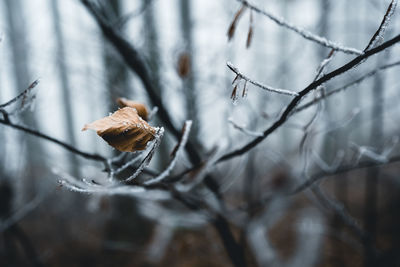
(241, 76)
(176, 153)
(21, 102)
(243, 129)
(368, 152)
(345, 87)
(151, 148)
(377, 39)
(110, 189)
(302, 32)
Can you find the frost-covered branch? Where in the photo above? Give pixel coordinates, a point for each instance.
(64, 145)
(292, 105)
(176, 153)
(243, 129)
(377, 38)
(22, 95)
(302, 32)
(21, 213)
(133, 59)
(262, 86)
(368, 152)
(91, 187)
(148, 156)
(343, 169)
(342, 88)
(322, 66)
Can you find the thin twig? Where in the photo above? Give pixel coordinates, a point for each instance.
(265, 87)
(21, 213)
(342, 169)
(135, 62)
(243, 129)
(22, 94)
(181, 144)
(122, 21)
(344, 216)
(304, 33)
(147, 158)
(322, 66)
(377, 38)
(68, 147)
(292, 105)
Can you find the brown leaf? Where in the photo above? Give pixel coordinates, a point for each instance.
(234, 93)
(250, 33)
(249, 37)
(244, 92)
(232, 27)
(124, 130)
(140, 108)
(183, 67)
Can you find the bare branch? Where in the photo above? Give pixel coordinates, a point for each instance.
(292, 105)
(344, 216)
(340, 89)
(21, 95)
(324, 64)
(146, 160)
(135, 62)
(265, 87)
(304, 33)
(123, 20)
(243, 129)
(181, 144)
(114, 189)
(378, 36)
(21, 213)
(66, 146)
(343, 169)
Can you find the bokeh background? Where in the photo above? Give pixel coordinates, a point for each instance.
(81, 76)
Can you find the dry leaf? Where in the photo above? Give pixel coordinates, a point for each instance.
(124, 130)
(250, 33)
(244, 92)
(140, 108)
(184, 129)
(249, 37)
(183, 67)
(232, 27)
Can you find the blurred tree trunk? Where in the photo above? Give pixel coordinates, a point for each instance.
(372, 179)
(189, 82)
(332, 142)
(284, 68)
(329, 143)
(3, 149)
(117, 77)
(19, 51)
(153, 58)
(353, 29)
(125, 226)
(65, 85)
